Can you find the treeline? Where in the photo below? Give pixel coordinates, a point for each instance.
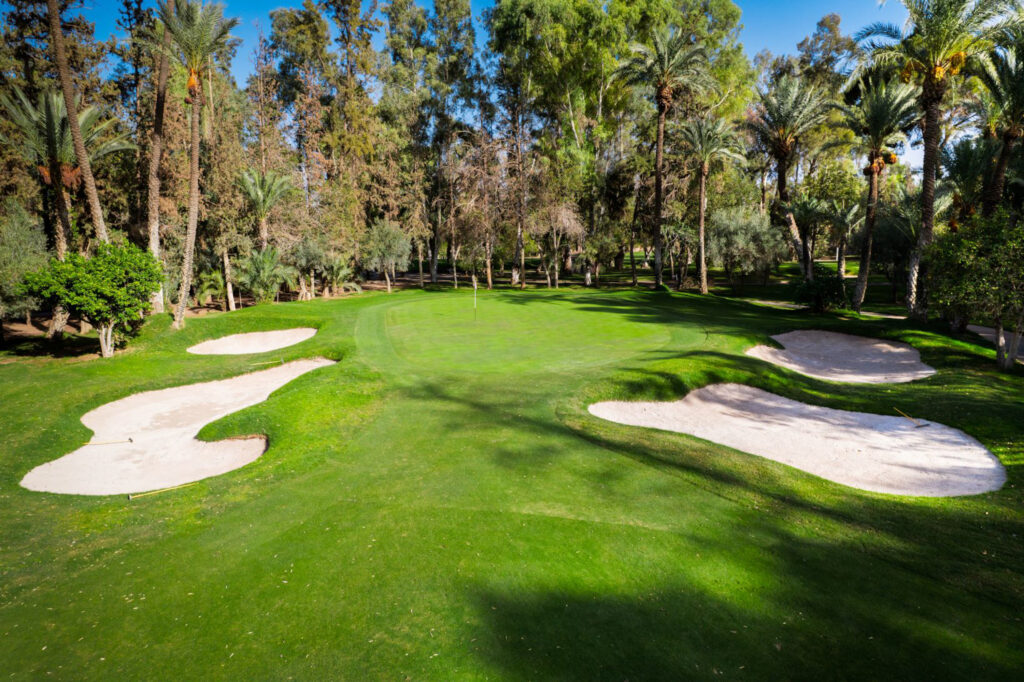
(580, 134)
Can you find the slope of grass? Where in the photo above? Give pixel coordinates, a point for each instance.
(439, 505)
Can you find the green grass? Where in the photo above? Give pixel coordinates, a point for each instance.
(440, 505)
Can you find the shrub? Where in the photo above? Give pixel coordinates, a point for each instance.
(743, 242)
(387, 249)
(22, 250)
(111, 290)
(825, 292)
(263, 274)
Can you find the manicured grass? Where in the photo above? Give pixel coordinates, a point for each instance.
(440, 505)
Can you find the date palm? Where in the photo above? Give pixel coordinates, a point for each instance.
(787, 112)
(843, 217)
(70, 104)
(1003, 77)
(707, 140)
(45, 141)
(940, 39)
(966, 164)
(879, 121)
(263, 191)
(156, 141)
(672, 65)
(198, 31)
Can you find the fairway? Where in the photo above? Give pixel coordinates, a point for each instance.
(439, 504)
(505, 334)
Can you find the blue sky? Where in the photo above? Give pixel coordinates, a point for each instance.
(775, 25)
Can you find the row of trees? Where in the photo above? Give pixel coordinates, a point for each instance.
(583, 132)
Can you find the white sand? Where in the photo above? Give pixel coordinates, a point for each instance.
(162, 425)
(842, 357)
(253, 342)
(868, 451)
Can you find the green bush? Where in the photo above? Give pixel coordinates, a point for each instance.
(263, 274)
(22, 250)
(111, 290)
(826, 291)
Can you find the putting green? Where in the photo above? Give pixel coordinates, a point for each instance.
(506, 334)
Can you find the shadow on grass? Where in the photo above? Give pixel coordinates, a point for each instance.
(67, 346)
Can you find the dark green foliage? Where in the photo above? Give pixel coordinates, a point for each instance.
(263, 274)
(743, 242)
(826, 291)
(22, 250)
(980, 270)
(111, 290)
(387, 249)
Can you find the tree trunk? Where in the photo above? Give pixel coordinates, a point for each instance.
(521, 250)
(419, 260)
(387, 279)
(153, 175)
(489, 252)
(781, 171)
(994, 192)
(865, 250)
(193, 216)
(66, 86)
(701, 254)
(917, 306)
(658, 158)
(264, 232)
(841, 258)
(63, 231)
(106, 334)
(434, 242)
(58, 320)
(230, 294)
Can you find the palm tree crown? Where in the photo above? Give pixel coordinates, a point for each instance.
(671, 62)
(264, 190)
(940, 39)
(788, 111)
(46, 134)
(881, 119)
(706, 139)
(198, 30)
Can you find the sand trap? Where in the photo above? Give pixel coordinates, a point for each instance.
(253, 342)
(867, 451)
(842, 357)
(163, 425)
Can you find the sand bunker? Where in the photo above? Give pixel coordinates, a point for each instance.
(162, 425)
(868, 451)
(253, 342)
(842, 357)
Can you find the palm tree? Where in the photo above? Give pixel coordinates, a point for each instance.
(263, 274)
(45, 141)
(672, 64)
(940, 38)
(879, 121)
(707, 140)
(787, 112)
(264, 191)
(70, 105)
(844, 218)
(197, 32)
(808, 213)
(966, 164)
(156, 141)
(1003, 77)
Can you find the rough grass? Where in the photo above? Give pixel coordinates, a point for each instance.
(440, 505)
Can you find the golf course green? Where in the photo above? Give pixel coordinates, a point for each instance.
(439, 504)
